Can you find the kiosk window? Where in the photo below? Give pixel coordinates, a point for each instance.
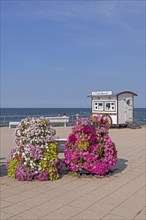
(110, 106)
(98, 105)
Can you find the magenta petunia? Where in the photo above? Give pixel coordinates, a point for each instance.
(89, 147)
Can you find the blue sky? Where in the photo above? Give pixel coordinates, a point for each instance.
(55, 53)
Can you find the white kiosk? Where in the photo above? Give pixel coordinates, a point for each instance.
(117, 107)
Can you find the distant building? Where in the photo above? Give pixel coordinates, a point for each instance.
(117, 107)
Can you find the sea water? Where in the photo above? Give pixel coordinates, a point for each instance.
(16, 114)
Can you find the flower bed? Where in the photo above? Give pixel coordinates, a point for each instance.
(36, 152)
(89, 147)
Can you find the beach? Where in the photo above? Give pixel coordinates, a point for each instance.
(120, 195)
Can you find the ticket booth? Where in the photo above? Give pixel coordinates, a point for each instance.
(118, 108)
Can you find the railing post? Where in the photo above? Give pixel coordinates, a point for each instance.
(65, 124)
(77, 116)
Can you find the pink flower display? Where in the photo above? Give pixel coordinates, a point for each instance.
(89, 147)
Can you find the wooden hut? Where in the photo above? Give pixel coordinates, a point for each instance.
(117, 107)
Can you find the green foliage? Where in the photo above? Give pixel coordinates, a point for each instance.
(12, 166)
(43, 164)
(53, 148)
(53, 174)
(50, 162)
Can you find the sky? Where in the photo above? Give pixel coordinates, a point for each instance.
(55, 53)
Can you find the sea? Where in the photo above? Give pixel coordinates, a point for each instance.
(16, 114)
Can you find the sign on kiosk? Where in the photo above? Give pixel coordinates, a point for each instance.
(102, 93)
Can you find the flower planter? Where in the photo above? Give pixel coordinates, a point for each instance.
(36, 152)
(89, 149)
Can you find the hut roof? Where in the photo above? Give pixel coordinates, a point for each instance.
(109, 93)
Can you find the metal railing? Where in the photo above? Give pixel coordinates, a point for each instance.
(4, 119)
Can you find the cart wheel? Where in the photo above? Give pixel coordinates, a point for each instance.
(108, 117)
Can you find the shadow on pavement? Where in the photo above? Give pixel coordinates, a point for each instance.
(120, 166)
(3, 169)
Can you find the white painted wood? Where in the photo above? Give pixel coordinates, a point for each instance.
(13, 124)
(125, 111)
(63, 120)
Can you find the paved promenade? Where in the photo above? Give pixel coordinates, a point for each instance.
(118, 196)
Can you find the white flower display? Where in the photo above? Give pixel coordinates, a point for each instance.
(36, 152)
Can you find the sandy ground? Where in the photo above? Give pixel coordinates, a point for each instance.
(119, 196)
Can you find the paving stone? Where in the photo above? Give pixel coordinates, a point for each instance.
(4, 204)
(81, 204)
(141, 215)
(119, 196)
(19, 217)
(128, 213)
(114, 217)
(86, 214)
(65, 199)
(114, 198)
(4, 215)
(68, 211)
(15, 209)
(42, 210)
(54, 216)
(100, 207)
